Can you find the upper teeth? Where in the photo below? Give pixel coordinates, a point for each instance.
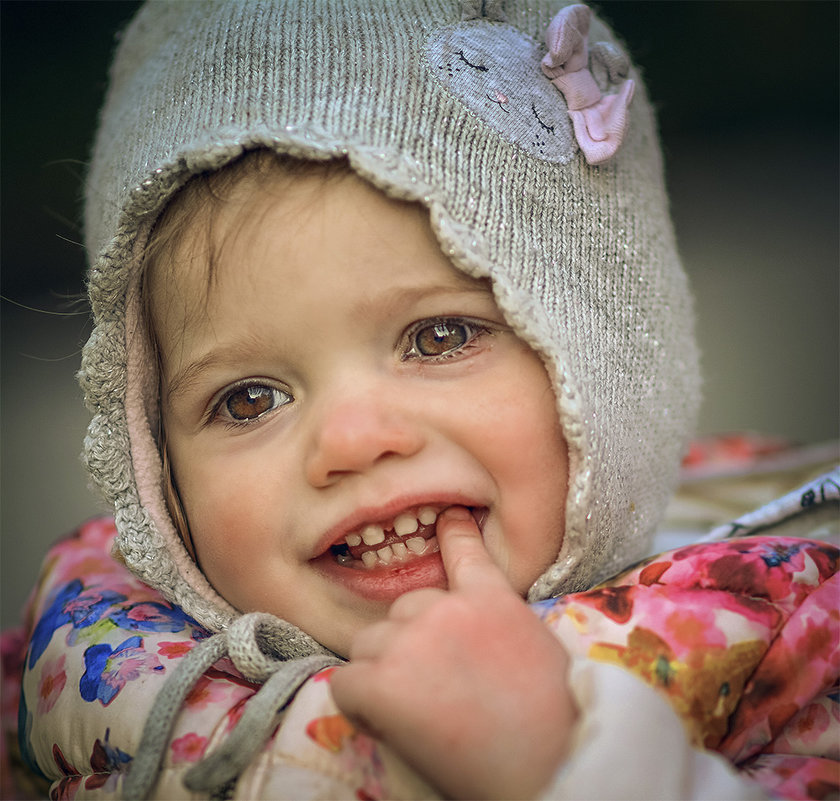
(404, 524)
(373, 535)
(427, 515)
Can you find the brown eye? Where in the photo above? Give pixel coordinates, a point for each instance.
(249, 403)
(440, 338)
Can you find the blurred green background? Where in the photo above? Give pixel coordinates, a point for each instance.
(747, 94)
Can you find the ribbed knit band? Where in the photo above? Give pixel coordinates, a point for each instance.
(456, 114)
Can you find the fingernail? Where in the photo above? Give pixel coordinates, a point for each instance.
(458, 513)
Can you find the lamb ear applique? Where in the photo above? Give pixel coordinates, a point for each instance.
(599, 121)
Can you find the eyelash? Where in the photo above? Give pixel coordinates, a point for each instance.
(549, 128)
(479, 67)
(217, 409)
(474, 330)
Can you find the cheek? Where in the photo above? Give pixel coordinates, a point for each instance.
(226, 508)
(526, 429)
(236, 548)
(531, 459)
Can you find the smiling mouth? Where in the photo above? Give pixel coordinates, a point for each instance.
(409, 535)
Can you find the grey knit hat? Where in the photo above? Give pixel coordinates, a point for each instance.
(464, 108)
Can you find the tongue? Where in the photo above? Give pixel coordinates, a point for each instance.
(426, 532)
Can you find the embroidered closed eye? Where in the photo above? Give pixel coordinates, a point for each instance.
(549, 128)
(479, 67)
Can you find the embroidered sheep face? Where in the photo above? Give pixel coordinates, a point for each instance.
(494, 70)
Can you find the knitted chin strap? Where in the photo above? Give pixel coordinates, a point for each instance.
(259, 646)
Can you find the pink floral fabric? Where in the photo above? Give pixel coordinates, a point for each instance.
(740, 636)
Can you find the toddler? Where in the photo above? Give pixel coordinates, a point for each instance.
(391, 337)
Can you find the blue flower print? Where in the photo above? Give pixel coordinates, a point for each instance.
(91, 606)
(108, 670)
(53, 618)
(151, 616)
(72, 604)
(774, 555)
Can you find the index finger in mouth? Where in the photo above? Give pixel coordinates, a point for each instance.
(465, 557)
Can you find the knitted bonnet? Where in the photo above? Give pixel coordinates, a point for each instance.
(540, 168)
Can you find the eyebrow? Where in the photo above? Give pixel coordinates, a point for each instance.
(398, 297)
(391, 299)
(226, 354)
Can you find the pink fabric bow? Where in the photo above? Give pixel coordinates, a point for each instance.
(600, 122)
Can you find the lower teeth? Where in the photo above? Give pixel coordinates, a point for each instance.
(399, 551)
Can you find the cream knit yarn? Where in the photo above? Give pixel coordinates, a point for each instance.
(435, 101)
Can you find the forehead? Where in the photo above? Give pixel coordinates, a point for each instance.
(295, 236)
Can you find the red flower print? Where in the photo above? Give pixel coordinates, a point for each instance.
(175, 650)
(206, 692)
(652, 573)
(235, 713)
(325, 675)
(692, 629)
(331, 731)
(66, 788)
(61, 762)
(53, 679)
(810, 723)
(614, 602)
(189, 748)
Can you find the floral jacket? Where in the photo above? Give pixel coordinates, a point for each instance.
(738, 635)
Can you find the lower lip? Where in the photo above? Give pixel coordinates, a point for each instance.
(386, 582)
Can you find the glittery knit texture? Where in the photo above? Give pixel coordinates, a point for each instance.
(431, 101)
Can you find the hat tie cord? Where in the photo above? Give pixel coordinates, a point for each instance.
(264, 649)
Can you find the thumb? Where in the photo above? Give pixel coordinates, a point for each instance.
(465, 558)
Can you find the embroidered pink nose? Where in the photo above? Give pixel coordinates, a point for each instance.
(500, 98)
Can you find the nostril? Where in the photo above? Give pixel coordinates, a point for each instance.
(358, 439)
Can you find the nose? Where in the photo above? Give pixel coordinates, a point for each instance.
(356, 434)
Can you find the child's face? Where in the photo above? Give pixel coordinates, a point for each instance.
(337, 378)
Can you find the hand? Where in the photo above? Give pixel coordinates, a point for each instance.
(467, 685)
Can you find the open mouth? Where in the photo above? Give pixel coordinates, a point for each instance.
(409, 535)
